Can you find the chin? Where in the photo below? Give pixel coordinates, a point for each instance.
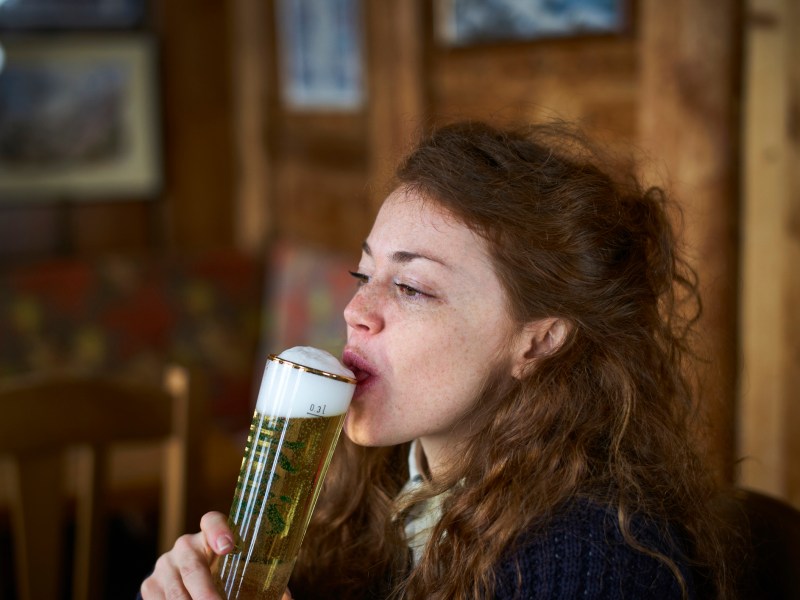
(363, 435)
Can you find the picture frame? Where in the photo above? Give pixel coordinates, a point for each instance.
(320, 56)
(71, 14)
(79, 118)
(471, 22)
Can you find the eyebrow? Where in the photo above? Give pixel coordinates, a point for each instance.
(403, 256)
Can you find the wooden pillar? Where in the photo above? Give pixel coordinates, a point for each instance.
(396, 34)
(770, 318)
(688, 126)
(250, 80)
(198, 140)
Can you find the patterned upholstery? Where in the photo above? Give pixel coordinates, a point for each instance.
(308, 290)
(130, 316)
(216, 312)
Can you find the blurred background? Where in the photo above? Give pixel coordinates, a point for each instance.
(187, 182)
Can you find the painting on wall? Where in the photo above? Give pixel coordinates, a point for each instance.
(468, 22)
(71, 14)
(78, 119)
(320, 54)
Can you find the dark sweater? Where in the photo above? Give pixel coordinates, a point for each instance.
(581, 554)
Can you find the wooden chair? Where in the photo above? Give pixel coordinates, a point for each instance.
(44, 418)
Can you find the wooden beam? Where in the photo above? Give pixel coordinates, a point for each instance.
(197, 116)
(252, 217)
(770, 320)
(792, 272)
(396, 34)
(688, 123)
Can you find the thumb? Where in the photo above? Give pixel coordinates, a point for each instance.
(217, 533)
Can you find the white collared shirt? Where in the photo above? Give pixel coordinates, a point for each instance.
(423, 516)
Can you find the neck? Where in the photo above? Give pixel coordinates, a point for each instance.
(431, 459)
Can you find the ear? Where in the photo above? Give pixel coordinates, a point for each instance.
(536, 340)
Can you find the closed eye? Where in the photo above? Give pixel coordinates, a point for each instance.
(405, 290)
(408, 291)
(360, 278)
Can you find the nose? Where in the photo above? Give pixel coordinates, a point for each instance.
(363, 312)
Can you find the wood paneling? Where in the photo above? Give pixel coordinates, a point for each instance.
(195, 210)
(770, 321)
(251, 53)
(29, 232)
(318, 163)
(397, 34)
(41, 229)
(670, 87)
(689, 123)
(198, 124)
(791, 338)
(112, 227)
(590, 80)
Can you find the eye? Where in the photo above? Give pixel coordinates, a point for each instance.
(360, 278)
(408, 291)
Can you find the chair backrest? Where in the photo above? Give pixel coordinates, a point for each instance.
(42, 419)
(772, 528)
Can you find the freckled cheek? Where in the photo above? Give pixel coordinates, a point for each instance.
(437, 370)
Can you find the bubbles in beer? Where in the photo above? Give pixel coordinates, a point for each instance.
(298, 418)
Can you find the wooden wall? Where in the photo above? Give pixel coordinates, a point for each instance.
(688, 117)
(196, 65)
(417, 80)
(668, 87)
(671, 88)
(769, 390)
(243, 168)
(301, 174)
(195, 209)
(334, 167)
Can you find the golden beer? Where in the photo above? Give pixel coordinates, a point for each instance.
(283, 466)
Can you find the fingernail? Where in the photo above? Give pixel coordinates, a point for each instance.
(224, 543)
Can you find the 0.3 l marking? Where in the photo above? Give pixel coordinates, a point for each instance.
(316, 410)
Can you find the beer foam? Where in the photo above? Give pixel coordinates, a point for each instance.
(291, 391)
(316, 359)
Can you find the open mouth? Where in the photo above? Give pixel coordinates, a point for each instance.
(361, 375)
(363, 371)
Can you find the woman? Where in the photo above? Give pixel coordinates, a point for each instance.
(519, 429)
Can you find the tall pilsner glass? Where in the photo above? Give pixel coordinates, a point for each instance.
(300, 410)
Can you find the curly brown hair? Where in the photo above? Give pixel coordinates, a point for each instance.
(604, 417)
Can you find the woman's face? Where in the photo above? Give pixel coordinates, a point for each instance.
(426, 326)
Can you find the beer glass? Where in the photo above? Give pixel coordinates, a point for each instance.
(300, 410)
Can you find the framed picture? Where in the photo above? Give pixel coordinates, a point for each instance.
(319, 53)
(79, 119)
(71, 14)
(467, 22)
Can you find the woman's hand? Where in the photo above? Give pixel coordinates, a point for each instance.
(183, 572)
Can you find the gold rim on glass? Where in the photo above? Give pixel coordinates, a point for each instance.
(300, 367)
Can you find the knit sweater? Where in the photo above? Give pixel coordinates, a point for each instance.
(581, 554)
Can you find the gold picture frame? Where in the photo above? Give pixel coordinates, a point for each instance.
(79, 118)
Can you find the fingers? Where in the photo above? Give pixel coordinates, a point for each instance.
(183, 573)
(287, 595)
(218, 536)
(165, 581)
(190, 562)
